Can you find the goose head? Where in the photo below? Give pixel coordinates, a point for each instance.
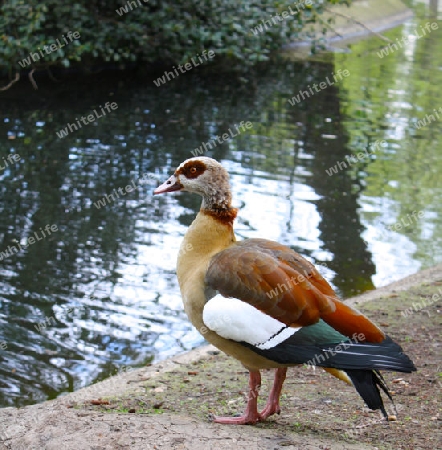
(203, 176)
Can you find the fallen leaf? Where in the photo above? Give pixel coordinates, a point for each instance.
(100, 402)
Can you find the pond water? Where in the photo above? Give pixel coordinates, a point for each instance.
(347, 176)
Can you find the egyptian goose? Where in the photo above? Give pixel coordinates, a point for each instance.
(266, 305)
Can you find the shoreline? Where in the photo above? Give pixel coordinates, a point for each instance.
(46, 425)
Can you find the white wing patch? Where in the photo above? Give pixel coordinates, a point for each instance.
(237, 320)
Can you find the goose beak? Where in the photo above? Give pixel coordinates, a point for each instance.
(171, 185)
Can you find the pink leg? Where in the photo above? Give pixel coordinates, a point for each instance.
(272, 406)
(251, 414)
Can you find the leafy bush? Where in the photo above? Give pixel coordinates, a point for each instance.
(150, 31)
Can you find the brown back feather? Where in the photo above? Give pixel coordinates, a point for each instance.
(281, 283)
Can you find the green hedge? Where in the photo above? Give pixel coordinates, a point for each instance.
(151, 31)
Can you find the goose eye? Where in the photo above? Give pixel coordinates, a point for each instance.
(193, 170)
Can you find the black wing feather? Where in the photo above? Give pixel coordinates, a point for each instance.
(350, 355)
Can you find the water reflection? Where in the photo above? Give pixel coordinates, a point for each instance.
(101, 293)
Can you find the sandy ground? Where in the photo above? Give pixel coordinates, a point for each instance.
(169, 405)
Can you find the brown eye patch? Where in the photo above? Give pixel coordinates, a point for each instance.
(192, 169)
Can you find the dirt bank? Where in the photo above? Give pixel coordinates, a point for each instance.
(169, 405)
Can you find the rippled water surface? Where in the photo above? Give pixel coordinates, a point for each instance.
(347, 177)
